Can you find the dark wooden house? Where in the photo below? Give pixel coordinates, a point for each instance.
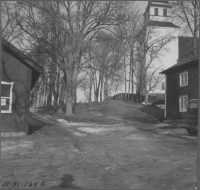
(182, 80)
(19, 74)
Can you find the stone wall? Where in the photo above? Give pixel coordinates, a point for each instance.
(153, 98)
(129, 97)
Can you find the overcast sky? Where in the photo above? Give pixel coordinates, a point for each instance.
(142, 5)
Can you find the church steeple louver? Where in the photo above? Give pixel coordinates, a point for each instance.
(157, 14)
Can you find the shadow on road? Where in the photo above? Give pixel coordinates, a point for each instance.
(67, 182)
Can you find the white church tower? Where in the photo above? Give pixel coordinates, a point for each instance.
(157, 24)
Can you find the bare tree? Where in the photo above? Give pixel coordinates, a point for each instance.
(105, 64)
(187, 14)
(77, 22)
(127, 31)
(9, 30)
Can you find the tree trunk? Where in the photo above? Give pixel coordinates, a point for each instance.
(45, 93)
(146, 98)
(75, 97)
(62, 95)
(71, 80)
(130, 77)
(69, 104)
(42, 94)
(96, 91)
(132, 84)
(56, 88)
(101, 91)
(51, 89)
(125, 76)
(49, 94)
(96, 96)
(90, 92)
(70, 97)
(55, 95)
(40, 97)
(143, 77)
(106, 88)
(129, 82)
(49, 98)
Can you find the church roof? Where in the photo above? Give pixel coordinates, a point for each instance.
(165, 4)
(162, 24)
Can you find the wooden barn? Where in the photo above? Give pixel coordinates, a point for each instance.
(182, 81)
(19, 74)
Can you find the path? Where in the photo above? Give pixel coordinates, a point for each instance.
(85, 155)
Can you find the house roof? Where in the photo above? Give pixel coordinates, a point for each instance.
(162, 24)
(36, 69)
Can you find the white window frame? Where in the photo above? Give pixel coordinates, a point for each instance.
(183, 108)
(183, 82)
(10, 97)
(162, 85)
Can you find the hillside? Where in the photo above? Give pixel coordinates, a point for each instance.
(109, 112)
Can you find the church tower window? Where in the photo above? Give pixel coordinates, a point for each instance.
(164, 12)
(156, 11)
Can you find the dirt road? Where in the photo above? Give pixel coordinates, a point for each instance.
(116, 156)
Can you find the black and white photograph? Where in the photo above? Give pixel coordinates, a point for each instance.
(100, 94)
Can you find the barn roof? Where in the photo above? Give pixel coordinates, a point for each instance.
(36, 69)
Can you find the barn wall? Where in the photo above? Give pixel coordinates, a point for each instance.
(17, 72)
(174, 90)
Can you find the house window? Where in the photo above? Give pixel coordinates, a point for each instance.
(183, 79)
(6, 97)
(156, 11)
(163, 86)
(164, 12)
(183, 100)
